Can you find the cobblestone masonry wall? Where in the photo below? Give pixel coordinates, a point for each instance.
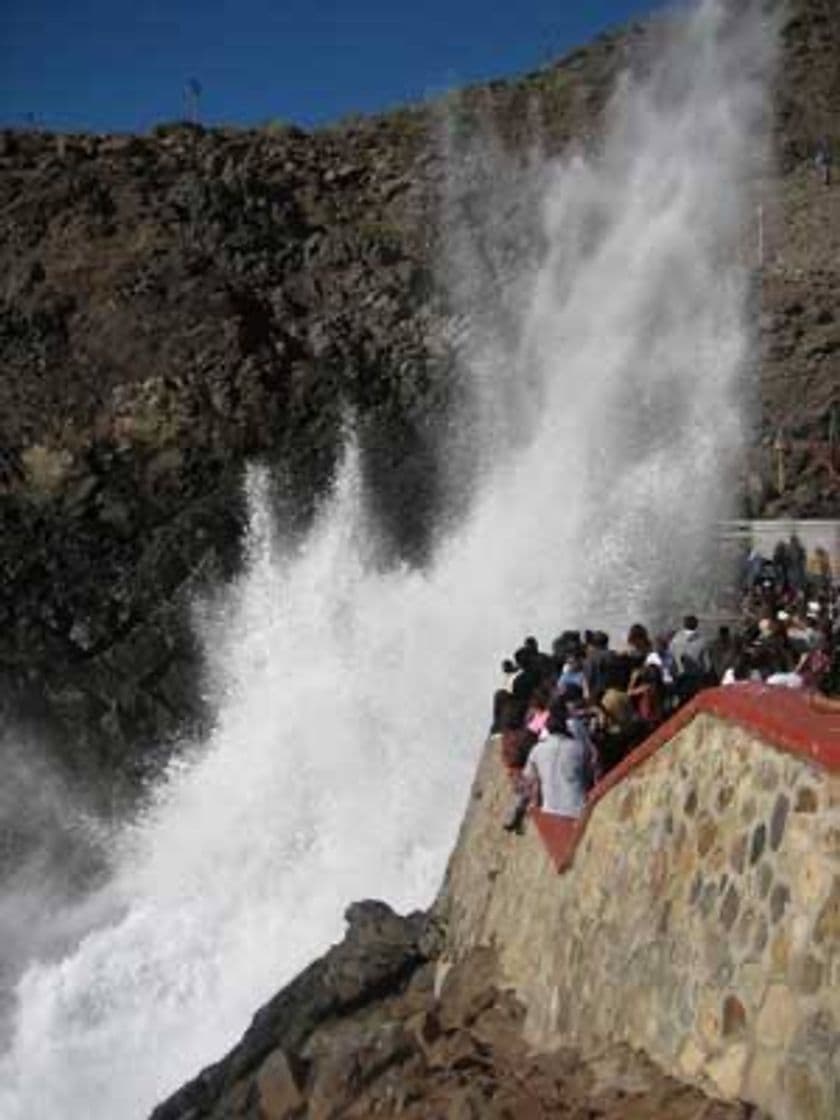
(699, 922)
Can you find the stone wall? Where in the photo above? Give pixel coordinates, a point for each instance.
(699, 922)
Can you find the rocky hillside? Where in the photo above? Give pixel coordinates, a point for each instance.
(173, 306)
(178, 304)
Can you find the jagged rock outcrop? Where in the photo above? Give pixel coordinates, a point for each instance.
(378, 956)
(174, 305)
(363, 1032)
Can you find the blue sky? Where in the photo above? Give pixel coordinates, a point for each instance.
(111, 65)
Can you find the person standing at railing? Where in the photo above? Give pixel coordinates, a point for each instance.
(754, 566)
(579, 718)
(797, 560)
(559, 771)
(599, 664)
(690, 651)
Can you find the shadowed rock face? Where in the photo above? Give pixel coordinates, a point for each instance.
(362, 1032)
(178, 304)
(174, 306)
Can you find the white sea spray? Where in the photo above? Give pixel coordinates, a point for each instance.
(352, 700)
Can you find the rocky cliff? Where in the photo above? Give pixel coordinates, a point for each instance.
(173, 306)
(177, 304)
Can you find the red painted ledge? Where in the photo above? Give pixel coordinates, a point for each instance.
(784, 716)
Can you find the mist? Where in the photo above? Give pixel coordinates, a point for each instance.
(606, 407)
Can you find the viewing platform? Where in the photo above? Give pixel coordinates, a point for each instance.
(784, 717)
(697, 915)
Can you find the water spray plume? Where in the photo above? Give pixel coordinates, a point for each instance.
(352, 702)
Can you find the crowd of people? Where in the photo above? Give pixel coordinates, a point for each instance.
(565, 717)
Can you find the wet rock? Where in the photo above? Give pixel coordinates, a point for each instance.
(356, 1057)
(279, 1080)
(379, 953)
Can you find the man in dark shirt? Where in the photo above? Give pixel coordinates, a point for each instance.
(600, 664)
(525, 683)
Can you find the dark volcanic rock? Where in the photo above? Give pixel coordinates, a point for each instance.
(176, 305)
(96, 638)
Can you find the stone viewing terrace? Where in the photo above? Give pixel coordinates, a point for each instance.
(697, 916)
(786, 718)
